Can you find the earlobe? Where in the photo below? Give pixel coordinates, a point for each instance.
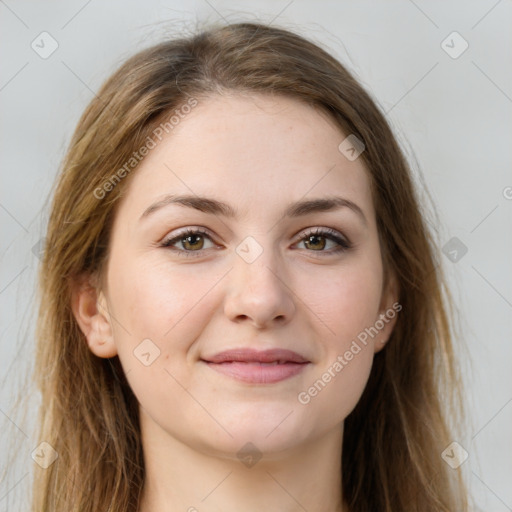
(90, 310)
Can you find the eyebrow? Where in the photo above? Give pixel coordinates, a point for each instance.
(216, 207)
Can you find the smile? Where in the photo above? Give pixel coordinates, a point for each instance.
(257, 367)
(257, 372)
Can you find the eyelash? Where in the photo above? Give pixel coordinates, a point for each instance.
(343, 244)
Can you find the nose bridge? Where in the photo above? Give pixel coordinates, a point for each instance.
(259, 260)
(258, 283)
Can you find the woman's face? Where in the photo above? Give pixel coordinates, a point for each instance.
(262, 274)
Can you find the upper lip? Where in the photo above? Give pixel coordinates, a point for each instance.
(257, 356)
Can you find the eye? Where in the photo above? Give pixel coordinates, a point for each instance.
(191, 240)
(316, 240)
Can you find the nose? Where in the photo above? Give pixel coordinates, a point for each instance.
(260, 292)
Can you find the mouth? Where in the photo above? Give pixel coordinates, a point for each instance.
(258, 367)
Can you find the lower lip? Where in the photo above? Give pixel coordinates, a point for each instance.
(256, 373)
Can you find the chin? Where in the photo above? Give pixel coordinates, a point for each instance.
(253, 445)
(270, 431)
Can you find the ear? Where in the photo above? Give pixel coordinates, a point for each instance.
(388, 312)
(90, 309)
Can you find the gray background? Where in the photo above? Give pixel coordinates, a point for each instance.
(451, 115)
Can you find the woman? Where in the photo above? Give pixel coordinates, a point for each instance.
(240, 304)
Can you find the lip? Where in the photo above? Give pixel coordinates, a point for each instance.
(257, 367)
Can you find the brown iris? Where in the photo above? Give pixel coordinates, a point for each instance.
(308, 240)
(186, 240)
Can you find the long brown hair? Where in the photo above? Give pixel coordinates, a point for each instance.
(394, 438)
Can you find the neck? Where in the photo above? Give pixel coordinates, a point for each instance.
(181, 477)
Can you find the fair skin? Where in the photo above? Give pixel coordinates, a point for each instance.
(259, 155)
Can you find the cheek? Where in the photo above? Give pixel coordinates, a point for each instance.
(342, 373)
(347, 300)
(167, 304)
(347, 304)
(156, 297)
(159, 313)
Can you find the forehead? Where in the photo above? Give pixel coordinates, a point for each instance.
(251, 151)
